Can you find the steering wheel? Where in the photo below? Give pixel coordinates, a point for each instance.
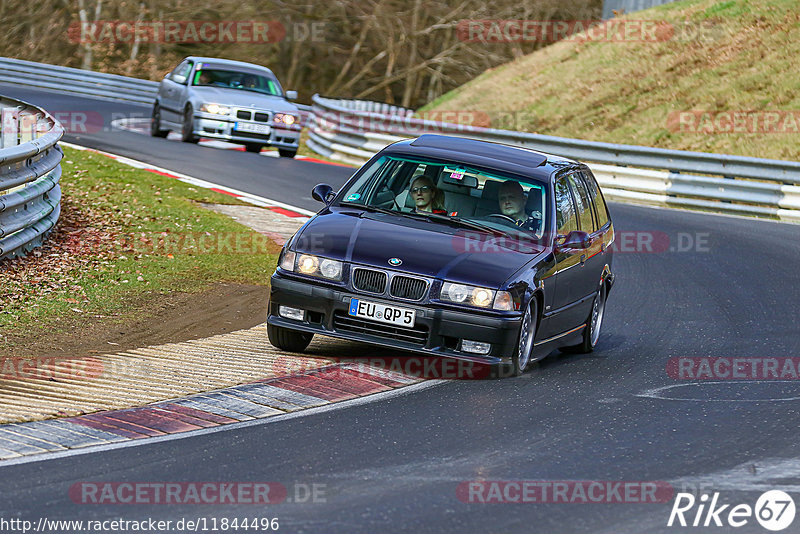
(504, 217)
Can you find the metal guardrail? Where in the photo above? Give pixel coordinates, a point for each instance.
(78, 81)
(353, 131)
(30, 170)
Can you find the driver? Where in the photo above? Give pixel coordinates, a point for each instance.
(512, 201)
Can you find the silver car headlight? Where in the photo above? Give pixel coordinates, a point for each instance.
(215, 109)
(480, 297)
(285, 118)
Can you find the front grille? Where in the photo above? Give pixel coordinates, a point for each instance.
(244, 115)
(252, 135)
(404, 287)
(346, 323)
(369, 280)
(262, 117)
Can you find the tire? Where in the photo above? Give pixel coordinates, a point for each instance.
(521, 359)
(250, 147)
(287, 153)
(288, 340)
(187, 135)
(155, 124)
(591, 329)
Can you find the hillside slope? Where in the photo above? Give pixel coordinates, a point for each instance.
(738, 60)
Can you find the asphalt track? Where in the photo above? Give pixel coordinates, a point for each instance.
(615, 415)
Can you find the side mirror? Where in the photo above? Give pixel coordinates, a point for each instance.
(323, 193)
(576, 240)
(291, 95)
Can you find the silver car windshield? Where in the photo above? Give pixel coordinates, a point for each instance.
(231, 79)
(504, 203)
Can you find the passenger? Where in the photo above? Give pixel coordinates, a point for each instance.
(204, 78)
(512, 202)
(427, 197)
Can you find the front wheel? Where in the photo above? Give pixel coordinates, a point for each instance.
(155, 123)
(287, 153)
(187, 130)
(255, 148)
(527, 332)
(288, 340)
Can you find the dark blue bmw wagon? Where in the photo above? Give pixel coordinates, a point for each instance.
(451, 247)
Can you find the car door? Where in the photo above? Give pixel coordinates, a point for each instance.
(171, 92)
(591, 259)
(563, 316)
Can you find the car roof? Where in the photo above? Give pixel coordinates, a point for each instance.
(513, 159)
(227, 62)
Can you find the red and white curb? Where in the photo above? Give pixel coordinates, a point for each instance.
(230, 406)
(273, 205)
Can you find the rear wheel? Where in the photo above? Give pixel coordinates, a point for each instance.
(251, 147)
(289, 340)
(527, 332)
(591, 329)
(155, 123)
(187, 130)
(287, 153)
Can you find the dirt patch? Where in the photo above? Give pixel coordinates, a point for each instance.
(166, 319)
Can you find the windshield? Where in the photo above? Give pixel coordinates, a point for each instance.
(451, 190)
(231, 79)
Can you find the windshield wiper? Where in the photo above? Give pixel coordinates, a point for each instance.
(367, 207)
(428, 216)
(464, 223)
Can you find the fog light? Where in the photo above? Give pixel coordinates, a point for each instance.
(475, 347)
(291, 313)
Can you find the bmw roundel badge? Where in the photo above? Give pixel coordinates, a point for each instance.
(395, 261)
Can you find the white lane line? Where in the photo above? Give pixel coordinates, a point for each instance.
(232, 426)
(659, 393)
(243, 195)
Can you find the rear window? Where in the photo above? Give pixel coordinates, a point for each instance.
(597, 196)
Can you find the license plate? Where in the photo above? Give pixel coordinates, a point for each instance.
(382, 313)
(252, 128)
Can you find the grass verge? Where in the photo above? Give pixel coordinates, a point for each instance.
(713, 80)
(125, 238)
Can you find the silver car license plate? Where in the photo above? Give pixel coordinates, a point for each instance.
(252, 128)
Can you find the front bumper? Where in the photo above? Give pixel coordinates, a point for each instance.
(437, 331)
(223, 128)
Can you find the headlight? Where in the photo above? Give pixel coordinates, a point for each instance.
(464, 294)
(480, 297)
(322, 267)
(215, 109)
(285, 118)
